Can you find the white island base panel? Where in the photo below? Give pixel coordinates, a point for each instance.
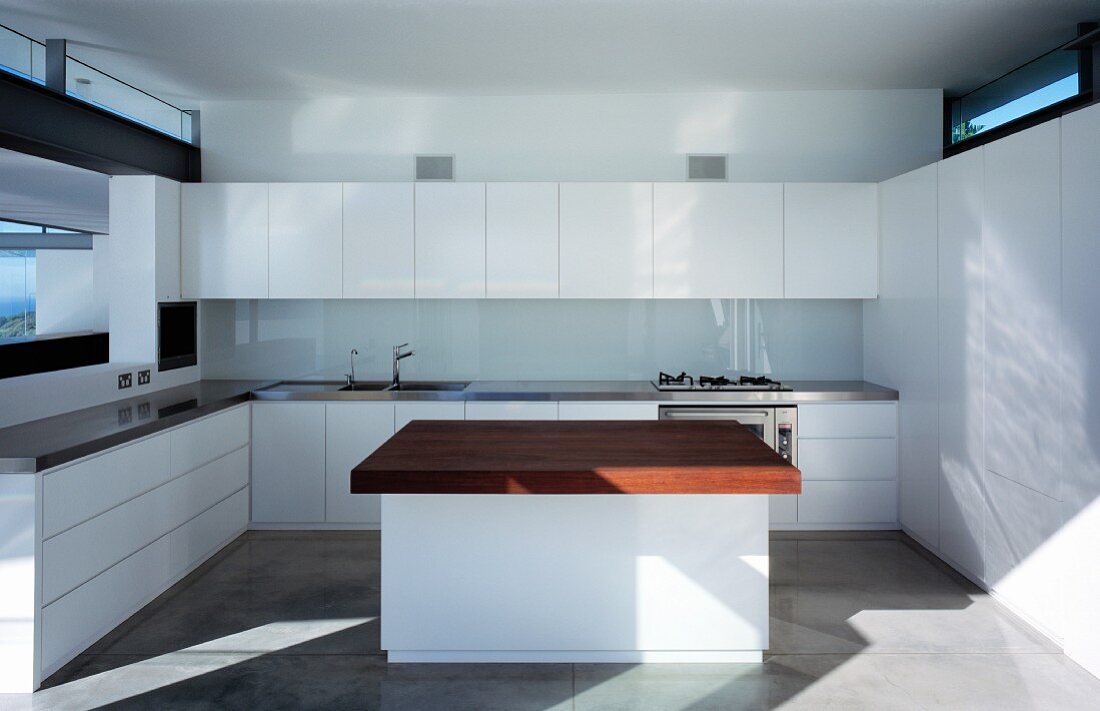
(586, 578)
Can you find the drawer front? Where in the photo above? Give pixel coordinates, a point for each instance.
(607, 411)
(511, 410)
(848, 459)
(846, 502)
(406, 412)
(84, 551)
(78, 619)
(77, 493)
(206, 439)
(209, 530)
(848, 420)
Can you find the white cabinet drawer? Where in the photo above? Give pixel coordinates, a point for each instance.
(76, 493)
(84, 551)
(511, 410)
(206, 439)
(848, 502)
(848, 459)
(78, 619)
(209, 530)
(848, 420)
(607, 411)
(406, 412)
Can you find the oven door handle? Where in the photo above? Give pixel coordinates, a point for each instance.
(707, 414)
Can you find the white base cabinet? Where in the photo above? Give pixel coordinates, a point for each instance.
(120, 527)
(352, 431)
(288, 462)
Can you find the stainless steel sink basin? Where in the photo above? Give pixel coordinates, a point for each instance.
(411, 386)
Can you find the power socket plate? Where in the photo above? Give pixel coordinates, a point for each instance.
(143, 377)
(125, 380)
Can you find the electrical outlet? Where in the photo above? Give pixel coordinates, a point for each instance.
(125, 380)
(143, 377)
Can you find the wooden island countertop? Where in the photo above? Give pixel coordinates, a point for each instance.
(576, 457)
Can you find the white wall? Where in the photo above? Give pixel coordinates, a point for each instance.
(769, 136)
(65, 291)
(1019, 479)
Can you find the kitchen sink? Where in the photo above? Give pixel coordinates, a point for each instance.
(411, 386)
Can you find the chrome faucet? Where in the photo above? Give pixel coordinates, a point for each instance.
(397, 357)
(351, 357)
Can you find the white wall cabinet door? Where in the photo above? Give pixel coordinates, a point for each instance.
(606, 240)
(718, 240)
(378, 240)
(961, 332)
(288, 462)
(521, 240)
(407, 411)
(305, 240)
(352, 431)
(450, 240)
(830, 240)
(1022, 244)
(1081, 292)
(224, 240)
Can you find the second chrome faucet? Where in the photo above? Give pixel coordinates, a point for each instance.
(398, 356)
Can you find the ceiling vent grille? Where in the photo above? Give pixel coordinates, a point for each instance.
(435, 167)
(706, 166)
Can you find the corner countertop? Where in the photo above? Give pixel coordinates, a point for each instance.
(42, 444)
(50, 442)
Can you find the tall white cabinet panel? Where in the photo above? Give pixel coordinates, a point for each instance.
(305, 240)
(352, 431)
(1080, 354)
(961, 319)
(906, 314)
(521, 240)
(378, 240)
(288, 462)
(1023, 273)
(606, 240)
(718, 240)
(830, 240)
(223, 240)
(407, 411)
(450, 240)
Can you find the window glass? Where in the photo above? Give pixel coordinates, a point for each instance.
(18, 291)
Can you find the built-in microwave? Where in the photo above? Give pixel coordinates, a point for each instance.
(777, 426)
(177, 334)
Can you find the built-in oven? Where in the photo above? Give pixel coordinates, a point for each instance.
(777, 426)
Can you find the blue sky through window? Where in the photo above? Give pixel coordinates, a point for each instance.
(1026, 104)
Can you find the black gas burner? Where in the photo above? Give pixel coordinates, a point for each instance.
(683, 381)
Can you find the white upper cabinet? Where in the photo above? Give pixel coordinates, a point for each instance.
(450, 240)
(718, 240)
(305, 240)
(831, 240)
(606, 240)
(224, 240)
(378, 240)
(521, 240)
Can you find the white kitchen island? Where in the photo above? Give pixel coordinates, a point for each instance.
(663, 560)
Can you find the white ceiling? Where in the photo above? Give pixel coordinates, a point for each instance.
(191, 50)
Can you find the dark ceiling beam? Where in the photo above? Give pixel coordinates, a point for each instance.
(42, 122)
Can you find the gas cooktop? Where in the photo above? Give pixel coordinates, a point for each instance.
(707, 383)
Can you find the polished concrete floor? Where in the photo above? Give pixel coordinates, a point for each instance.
(289, 620)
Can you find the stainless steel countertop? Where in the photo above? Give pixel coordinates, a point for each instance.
(805, 391)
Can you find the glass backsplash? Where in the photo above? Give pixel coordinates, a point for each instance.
(516, 339)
